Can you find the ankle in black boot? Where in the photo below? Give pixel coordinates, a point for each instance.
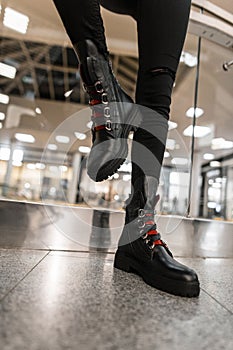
(141, 250)
(114, 114)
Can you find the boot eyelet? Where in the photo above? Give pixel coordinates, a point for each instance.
(99, 87)
(151, 246)
(141, 213)
(107, 112)
(104, 98)
(145, 236)
(108, 125)
(141, 223)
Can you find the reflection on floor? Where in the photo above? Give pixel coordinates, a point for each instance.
(73, 298)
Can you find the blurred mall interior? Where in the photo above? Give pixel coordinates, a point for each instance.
(41, 92)
(45, 139)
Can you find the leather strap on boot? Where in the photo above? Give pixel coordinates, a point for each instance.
(100, 106)
(148, 230)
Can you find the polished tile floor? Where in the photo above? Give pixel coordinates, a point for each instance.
(52, 299)
(58, 290)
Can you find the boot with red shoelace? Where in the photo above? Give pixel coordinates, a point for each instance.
(114, 113)
(141, 249)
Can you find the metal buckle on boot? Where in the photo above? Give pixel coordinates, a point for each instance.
(141, 223)
(141, 213)
(108, 125)
(104, 98)
(151, 245)
(99, 87)
(107, 112)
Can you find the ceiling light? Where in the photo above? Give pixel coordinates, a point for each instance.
(16, 163)
(4, 99)
(227, 144)
(62, 139)
(2, 116)
(5, 153)
(7, 71)
(40, 166)
(116, 176)
(172, 125)
(25, 138)
(89, 124)
(31, 166)
(63, 168)
(208, 156)
(217, 141)
(190, 112)
(221, 143)
(18, 155)
(68, 93)
(38, 110)
(52, 147)
(166, 154)
(125, 167)
(215, 164)
(84, 149)
(80, 135)
(179, 161)
(211, 205)
(170, 144)
(116, 197)
(188, 59)
(15, 20)
(199, 131)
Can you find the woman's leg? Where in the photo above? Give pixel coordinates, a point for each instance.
(161, 31)
(123, 7)
(82, 20)
(162, 26)
(113, 111)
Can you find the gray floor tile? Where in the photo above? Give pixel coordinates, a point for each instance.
(75, 301)
(216, 278)
(14, 265)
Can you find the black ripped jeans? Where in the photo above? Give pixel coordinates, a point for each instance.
(161, 26)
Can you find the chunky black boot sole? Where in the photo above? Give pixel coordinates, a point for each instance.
(180, 288)
(111, 167)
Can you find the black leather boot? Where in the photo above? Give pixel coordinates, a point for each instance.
(114, 114)
(141, 249)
